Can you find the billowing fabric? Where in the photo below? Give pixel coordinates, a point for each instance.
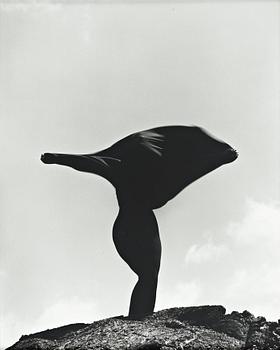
(150, 167)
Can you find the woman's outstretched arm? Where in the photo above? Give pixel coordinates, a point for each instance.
(85, 163)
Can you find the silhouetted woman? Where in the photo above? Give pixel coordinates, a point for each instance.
(148, 169)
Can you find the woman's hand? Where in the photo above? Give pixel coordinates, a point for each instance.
(48, 158)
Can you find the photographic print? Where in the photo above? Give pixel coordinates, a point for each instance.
(140, 174)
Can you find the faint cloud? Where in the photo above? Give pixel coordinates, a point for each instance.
(182, 294)
(65, 311)
(12, 6)
(3, 273)
(255, 242)
(244, 269)
(60, 313)
(260, 225)
(8, 327)
(206, 252)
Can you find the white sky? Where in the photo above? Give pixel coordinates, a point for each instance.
(77, 78)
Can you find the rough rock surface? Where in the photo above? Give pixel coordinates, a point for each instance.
(200, 327)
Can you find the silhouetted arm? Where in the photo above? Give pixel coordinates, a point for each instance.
(84, 163)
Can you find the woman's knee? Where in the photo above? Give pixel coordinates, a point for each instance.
(149, 277)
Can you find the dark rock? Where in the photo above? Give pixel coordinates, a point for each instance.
(202, 315)
(200, 328)
(263, 335)
(34, 344)
(55, 333)
(236, 324)
(234, 328)
(247, 315)
(174, 324)
(148, 346)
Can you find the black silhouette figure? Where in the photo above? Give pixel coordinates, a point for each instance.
(148, 168)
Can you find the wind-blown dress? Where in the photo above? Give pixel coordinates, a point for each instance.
(150, 167)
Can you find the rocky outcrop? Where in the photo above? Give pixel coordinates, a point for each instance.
(263, 335)
(201, 327)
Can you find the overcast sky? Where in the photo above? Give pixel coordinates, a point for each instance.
(76, 78)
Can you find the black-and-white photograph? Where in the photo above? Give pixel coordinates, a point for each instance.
(140, 174)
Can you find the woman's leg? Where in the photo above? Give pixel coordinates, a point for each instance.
(136, 238)
(143, 296)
